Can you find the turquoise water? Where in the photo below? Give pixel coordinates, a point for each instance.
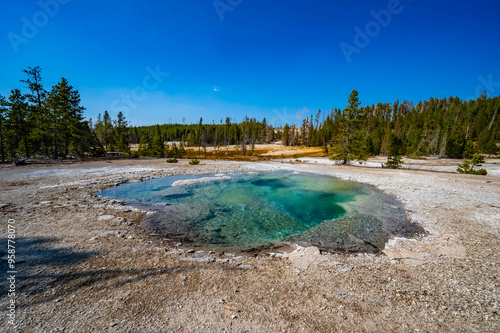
(246, 210)
(253, 210)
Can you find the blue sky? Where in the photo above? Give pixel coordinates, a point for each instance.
(174, 61)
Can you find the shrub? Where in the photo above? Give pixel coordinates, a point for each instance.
(481, 172)
(393, 162)
(136, 154)
(468, 166)
(194, 162)
(172, 160)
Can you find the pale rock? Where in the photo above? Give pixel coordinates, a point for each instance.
(105, 217)
(304, 257)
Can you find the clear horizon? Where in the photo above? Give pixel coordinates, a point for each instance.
(177, 62)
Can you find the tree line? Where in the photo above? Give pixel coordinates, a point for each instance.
(41, 122)
(448, 127)
(245, 135)
(51, 123)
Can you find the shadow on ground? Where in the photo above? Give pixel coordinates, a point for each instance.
(50, 274)
(34, 257)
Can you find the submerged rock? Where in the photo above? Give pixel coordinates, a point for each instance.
(355, 233)
(173, 193)
(186, 182)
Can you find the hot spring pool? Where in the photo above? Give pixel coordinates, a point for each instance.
(251, 210)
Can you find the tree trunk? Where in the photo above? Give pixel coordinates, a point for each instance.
(2, 151)
(56, 151)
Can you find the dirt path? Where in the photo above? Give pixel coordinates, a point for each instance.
(85, 266)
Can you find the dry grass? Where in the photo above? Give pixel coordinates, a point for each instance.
(261, 152)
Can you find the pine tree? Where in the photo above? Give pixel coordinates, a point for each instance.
(191, 139)
(455, 144)
(3, 129)
(286, 135)
(145, 145)
(121, 134)
(67, 123)
(158, 149)
(469, 149)
(174, 152)
(395, 157)
(104, 130)
(17, 124)
(349, 146)
(39, 127)
(468, 166)
(486, 142)
(263, 134)
(325, 148)
(200, 135)
(368, 146)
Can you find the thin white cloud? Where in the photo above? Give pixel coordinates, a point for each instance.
(216, 89)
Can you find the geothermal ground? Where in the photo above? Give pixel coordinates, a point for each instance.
(84, 265)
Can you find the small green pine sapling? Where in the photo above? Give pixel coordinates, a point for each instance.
(468, 166)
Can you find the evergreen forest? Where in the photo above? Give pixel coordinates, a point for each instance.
(50, 123)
